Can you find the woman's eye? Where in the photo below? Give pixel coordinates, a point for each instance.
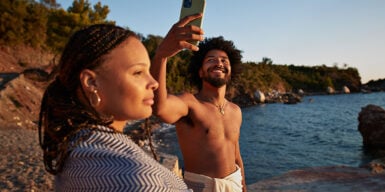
(136, 73)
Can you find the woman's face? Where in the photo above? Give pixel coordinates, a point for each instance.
(124, 82)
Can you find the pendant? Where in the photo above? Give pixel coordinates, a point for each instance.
(221, 110)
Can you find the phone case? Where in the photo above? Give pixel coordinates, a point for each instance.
(191, 7)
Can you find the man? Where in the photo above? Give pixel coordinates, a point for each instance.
(207, 124)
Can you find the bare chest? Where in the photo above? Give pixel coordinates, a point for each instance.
(212, 123)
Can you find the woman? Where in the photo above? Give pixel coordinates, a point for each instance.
(103, 82)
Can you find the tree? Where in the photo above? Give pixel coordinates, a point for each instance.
(62, 24)
(151, 43)
(12, 20)
(50, 4)
(35, 25)
(22, 22)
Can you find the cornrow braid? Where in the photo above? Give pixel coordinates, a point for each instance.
(61, 113)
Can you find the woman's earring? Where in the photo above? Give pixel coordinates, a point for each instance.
(95, 99)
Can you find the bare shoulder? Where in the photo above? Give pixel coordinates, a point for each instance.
(188, 98)
(185, 95)
(234, 107)
(236, 112)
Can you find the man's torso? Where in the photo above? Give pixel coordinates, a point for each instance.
(208, 138)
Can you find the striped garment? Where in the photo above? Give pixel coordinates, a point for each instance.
(110, 161)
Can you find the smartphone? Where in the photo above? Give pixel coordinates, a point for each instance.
(191, 7)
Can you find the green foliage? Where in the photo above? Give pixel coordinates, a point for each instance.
(46, 25)
(176, 79)
(151, 43)
(62, 24)
(177, 76)
(22, 22)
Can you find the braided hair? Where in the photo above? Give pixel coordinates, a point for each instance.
(210, 44)
(61, 113)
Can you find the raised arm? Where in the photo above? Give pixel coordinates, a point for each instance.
(171, 108)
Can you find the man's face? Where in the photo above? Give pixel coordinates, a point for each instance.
(216, 69)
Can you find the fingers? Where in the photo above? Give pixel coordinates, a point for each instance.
(179, 37)
(191, 29)
(184, 21)
(191, 37)
(188, 33)
(187, 45)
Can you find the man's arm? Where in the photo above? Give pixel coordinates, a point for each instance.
(239, 162)
(238, 157)
(170, 108)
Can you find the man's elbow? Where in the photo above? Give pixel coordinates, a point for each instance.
(163, 115)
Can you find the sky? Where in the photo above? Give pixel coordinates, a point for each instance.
(300, 32)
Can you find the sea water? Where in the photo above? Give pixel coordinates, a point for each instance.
(276, 138)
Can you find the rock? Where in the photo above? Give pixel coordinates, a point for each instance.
(374, 85)
(291, 98)
(345, 89)
(321, 179)
(377, 166)
(372, 126)
(330, 90)
(259, 97)
(171, 162)
(301, 92)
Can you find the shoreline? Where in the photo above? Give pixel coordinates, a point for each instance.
(22, 169)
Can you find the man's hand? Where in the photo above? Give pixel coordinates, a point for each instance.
(178, 36)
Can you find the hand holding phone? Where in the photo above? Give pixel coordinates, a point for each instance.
(192, 7)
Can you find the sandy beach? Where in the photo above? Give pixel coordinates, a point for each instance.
(21, 166)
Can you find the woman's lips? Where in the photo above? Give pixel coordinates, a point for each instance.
(149, 101)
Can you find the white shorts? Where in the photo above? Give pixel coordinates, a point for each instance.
(198, 182)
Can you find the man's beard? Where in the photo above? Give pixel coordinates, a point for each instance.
(216, 82)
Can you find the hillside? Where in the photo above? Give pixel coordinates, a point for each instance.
(21, 87)
(24, 71)
(55, 25)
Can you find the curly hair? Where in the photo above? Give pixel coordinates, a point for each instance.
(61, 113)
(207, 45)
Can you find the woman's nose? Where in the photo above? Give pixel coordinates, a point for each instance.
(153, 83)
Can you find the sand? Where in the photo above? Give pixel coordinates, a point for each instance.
(21, 167)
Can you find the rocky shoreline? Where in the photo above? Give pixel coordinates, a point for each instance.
(323, 179)
(22, 169)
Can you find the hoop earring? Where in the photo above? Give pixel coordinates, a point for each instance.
(95, 99)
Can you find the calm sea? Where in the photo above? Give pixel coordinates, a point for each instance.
(276, 138)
